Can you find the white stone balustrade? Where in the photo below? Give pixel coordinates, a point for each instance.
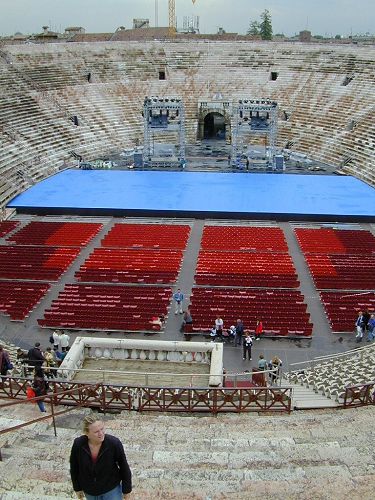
(142, 350)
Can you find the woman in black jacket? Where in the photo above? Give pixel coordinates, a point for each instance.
(98, 464)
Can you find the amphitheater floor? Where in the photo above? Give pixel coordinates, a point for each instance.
(154, 373)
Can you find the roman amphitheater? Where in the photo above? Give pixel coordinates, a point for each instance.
(197, 421)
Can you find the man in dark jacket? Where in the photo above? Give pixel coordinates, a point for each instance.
(239, 333)
(35, 356)
(98, 464)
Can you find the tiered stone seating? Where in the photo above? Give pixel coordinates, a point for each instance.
(106, 307)
(147, 236)
(7, 226)
(342, 308)
(330, 375)
(47, 83)
(18, 298)
(324, 454)
(283, 312)
(56, 233)
(40, 263)
(131, 265)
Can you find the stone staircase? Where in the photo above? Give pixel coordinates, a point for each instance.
(321, 454)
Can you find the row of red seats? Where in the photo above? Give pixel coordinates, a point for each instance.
(342, 308)
(147, 236)
(278, 311)
(18, 298)
(7, 226)
(246, 280)
(342, 271)
(131, 265)
(246, 269)
(76, 234)
(107, 307)
(330, 241)
(243, 238)
(35, 262)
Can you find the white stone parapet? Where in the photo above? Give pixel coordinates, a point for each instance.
(142, 350)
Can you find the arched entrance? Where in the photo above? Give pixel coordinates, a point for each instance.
(214, 126)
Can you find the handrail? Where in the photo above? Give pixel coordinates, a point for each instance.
(146, 375)
(327, 357)
(45, 417)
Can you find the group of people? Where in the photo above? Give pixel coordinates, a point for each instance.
(235, 333)
(50, 359)
(365, 323)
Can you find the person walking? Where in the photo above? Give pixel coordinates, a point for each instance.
(360, 327)
(39, 387)
(98, 465)
(178, 297)
(247, 345)
(239, 333)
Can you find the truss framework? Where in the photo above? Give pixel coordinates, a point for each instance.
(241, 117)
(172, 110)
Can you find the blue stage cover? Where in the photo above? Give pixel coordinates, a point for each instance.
(200, 194)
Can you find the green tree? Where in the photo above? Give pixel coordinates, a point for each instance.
(254, 28)
(266, 25)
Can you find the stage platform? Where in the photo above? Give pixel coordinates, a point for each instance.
(200, 195)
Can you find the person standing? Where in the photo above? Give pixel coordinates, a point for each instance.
(275, 365)
(64, 342)
(239, 333)
(35, 356)
(178, 297)
(258, 329)
(219, 325)
(98, 465)
(262, 363)
(56, 340)
(247, 345)
(4, 361)
(360, 327)
(371, 328)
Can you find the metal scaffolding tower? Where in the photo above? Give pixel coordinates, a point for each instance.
(163, 115)
(254, 116)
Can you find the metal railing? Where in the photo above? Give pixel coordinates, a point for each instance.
(359, 395)
(104, 376)
(178, 399)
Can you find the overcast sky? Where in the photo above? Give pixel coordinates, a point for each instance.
(288, 16)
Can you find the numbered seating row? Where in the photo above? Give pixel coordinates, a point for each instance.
(35, 262)
(342, 308)
(352, 272)
(56, 233)
(7, 226)
(18, 298)
(147, 236)
(131, 266)
(243, 238)
(335, 241)
(107, 307)
(284, 313)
